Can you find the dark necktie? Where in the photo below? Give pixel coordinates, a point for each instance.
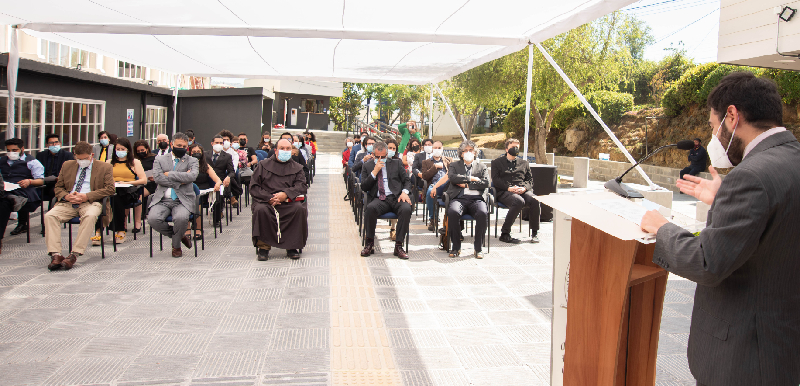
(79, 185)
(381, 190)
(214, 159)
(174, 195)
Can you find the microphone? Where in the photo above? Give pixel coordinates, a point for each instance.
(616, 185)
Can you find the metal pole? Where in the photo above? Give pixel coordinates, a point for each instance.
(594, 114)
(175, 105)
(430, 124)
(11, 72)
(528, 99)
(451, 112)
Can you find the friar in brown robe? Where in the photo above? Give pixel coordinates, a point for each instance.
(279, 187)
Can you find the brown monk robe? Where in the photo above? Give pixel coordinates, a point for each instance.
(272, 177)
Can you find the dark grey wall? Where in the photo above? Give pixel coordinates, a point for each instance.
(266, 115)
(118, 99)
(318, 121)
(208, 115)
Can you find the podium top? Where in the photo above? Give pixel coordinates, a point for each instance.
(578, 205)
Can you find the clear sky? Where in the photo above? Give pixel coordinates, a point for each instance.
(694, 23)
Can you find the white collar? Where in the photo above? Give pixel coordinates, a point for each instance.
(758, 139)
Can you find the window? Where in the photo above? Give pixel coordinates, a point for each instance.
(38, 115)
(155, 123)
(312, 106)
(128, 70)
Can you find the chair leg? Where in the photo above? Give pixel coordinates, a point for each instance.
(496, 216)
(151, 243)
(161, 241)
(70, 238)
(102, 244)
(194, 231)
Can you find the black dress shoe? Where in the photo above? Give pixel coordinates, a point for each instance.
(400, 252)
(431, 228)
(506, 238)
(293, 254)
(534, 239)
(19, 229)
(218, 224)
(263, 254)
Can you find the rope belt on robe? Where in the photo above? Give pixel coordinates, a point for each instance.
(278, 218)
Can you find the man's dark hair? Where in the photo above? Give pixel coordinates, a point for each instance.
(15, 141)
(51, 135)
(510, 141)
(286, 133)
(100, 134)
(226, 133)
(757, 99)
(242, 133)
(82, 148)
(215, 137)
(427, 140)
(189, 133)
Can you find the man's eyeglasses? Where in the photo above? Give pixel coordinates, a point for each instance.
(380, 158)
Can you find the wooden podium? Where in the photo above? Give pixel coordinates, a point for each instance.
(615, 295)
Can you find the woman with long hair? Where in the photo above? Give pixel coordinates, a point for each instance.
(206, 179)
(127, 170)
(146, 157)
(414, 147)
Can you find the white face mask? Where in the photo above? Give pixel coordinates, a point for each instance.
(217, 147)
(437, 152)
(84, 163)
(468, 156)
(717, 152)
(13, 156)
(349, 144)
(226, 145)
(428, 149)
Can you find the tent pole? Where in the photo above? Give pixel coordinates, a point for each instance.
(430, 124)
(594, 114)
(175, 105)
(11, 72)
(528, 100)
(451, 112)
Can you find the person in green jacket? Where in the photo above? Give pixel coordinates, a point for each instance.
(407, 130)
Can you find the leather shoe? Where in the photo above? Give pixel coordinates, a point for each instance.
(263, 254)
(177, 252)
(218, 224)
(187, 241)
(506, 238)
(534, 239)
(69, 261)
(19, 229)
(293, 254)
(55, 263)
(369, 248)
(431, 227)
(399, 252)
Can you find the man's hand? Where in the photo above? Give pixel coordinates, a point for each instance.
(462, 185)
(166, 174)
(367, 157)
(516, 189)
(150, 179)
(520, 190)
(433, 192)
(378, 167)
(24, 183)
(226, 181)
(278, 198)
(652, 221)
(404, 198)
(699, 188)
(419, 175)
(439, 165)
(79, 198)
(217, 186)
(474, 179)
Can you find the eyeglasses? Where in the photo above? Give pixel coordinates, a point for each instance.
(380, 157)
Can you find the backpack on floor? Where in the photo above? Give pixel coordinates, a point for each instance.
(444, 238)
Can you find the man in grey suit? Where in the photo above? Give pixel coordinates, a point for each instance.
(469, 182)
(175, 175)
(746, 319)
(387, 185)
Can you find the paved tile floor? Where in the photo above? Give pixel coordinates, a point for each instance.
(331, 317)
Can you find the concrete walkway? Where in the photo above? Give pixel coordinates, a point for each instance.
(330, 318)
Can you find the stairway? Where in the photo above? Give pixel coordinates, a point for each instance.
(327, 141)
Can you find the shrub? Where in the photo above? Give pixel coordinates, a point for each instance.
(610, 105)
(514, 123)
(788, 84)
(686, 90)
(713, 78)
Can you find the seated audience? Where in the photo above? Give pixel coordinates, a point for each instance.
(435, 171)
(222, 163)
(190, 134)
(387, 186)
(511, 176)
(235, 186)
(103, 150)
(251, 159)
(413, 148)
(469, 184)
(206, 179)
(52, 159)
(27, 172)
(348, 142)
(127, 170)
(280, 217)
(162, 141)
(79, 192)
(175, 175)
(364, 155)
(146, 157)
(427, 152)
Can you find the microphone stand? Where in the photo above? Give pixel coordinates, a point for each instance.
(619, 188)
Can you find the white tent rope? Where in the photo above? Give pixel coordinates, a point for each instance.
(528, 99)
(175, 105)
(594, 114)
(11, 72)
(451, 112)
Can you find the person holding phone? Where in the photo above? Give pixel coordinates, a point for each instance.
(365, 156)
(407, 130)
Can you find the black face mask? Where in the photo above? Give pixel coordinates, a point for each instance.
(197, 155)
(142, 154)
(513, 151)
(179, 152)
(414, 147)
(163, 145)
(242, 142)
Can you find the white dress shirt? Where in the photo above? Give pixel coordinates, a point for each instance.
(467, 190)
(87, 186)
(235, 156)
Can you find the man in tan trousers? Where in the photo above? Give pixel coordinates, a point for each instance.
(79, 192)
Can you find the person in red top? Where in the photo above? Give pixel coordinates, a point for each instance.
(311, 141)
(346, 152)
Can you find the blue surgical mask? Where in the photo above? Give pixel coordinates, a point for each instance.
(235, 146)
(104, 141)
(191, 143)
(55, 148)
(369, 148)
(297, 145)
(390, 153)
(284, 155)
(122, 153)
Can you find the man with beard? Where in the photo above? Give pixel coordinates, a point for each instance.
(745, 328)
(280, 216)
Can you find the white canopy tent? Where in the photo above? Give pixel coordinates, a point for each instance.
(407, 42)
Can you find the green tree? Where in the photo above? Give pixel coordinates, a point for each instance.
(345, 109)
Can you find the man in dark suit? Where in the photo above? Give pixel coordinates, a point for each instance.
(52, 159)
(697, 158)
(746, 319)
(79, 191)
(469, 182)
(434, 170)
(222, 163)
(512, 177)
(427, 153)
(387, 185)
